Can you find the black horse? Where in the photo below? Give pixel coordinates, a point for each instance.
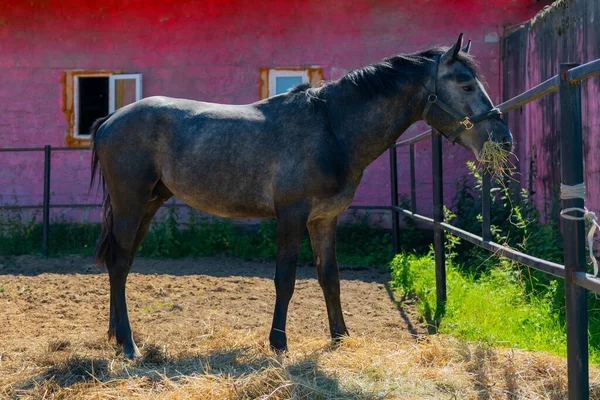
(298, 157)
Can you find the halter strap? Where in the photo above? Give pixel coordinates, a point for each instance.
(464, 122)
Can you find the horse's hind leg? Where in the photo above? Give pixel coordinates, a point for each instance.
(158, 199)
(160, 194)
(291, 222)
(322, 238)
(129, 210)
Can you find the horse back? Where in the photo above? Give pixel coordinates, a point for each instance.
(229, 160)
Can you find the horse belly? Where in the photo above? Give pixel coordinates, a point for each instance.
(334, 205)
(225, 200)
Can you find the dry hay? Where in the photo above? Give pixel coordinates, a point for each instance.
(239, 365)
(495, 159)
(213, 345)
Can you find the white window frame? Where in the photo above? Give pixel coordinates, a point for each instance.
(76, 133)
(112, 78)
(278, 73)
(112, 86)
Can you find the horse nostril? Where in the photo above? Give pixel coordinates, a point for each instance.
(506, 143)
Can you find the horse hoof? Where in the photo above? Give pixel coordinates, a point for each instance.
(278, 342)
(131, 352)
(339, 336)
(278, 349)
(336, 337)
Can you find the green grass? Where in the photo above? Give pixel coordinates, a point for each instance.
(361, 241)
(494, 307)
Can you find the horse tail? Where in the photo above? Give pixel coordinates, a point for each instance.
(95, 162)
(106, 243)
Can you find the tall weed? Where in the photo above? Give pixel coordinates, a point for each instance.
(181, 232)
(491, 307)
(516, 223)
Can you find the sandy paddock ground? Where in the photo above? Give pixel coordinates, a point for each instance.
(202, 326)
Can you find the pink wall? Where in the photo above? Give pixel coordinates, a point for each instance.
(212, 51)
(567, 32)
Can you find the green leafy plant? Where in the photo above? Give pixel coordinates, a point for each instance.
(177, 233)
(491, 307)
(516, 223)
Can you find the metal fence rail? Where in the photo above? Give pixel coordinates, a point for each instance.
(47, 204)
(573, 270)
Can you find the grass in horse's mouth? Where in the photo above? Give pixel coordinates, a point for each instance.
(495, 159)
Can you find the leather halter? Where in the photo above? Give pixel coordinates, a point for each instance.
(465, 123)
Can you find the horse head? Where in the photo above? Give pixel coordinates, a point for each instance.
(458, 106)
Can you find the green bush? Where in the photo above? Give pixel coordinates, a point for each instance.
(485, 290)
(491, 307)
(361, 240)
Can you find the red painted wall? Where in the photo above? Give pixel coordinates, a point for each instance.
(212, 51)
(567, 32)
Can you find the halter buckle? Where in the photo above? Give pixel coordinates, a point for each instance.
(467, 123)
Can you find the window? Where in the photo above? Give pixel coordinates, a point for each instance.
(89, 95)
(275, 81)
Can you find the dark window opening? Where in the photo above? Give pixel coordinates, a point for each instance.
(93, 102)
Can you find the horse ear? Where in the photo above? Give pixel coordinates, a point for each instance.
(452, 52)
(467, 47)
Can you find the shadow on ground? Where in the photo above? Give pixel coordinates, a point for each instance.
(210, 266)
(262, 375)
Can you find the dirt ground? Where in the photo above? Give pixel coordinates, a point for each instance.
(222, 290)
(172, 302)
(202, 326)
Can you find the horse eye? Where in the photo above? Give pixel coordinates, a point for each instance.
(468, 88)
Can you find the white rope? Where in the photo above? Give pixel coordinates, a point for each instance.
(572, 192)
(578, 192)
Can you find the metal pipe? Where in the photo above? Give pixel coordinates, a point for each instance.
(414, 139)
(486, 213)
(176, 205)
(438, 216)
(548, 267)
(356, 207)
(46, 205)
(70, 149)
(588, 281)
(394, 195)
(584, 71)
(21, 149)
(522, 258)
(19, 207)
(418, 217)
(413, 188)
(548, 86)
(571, 170)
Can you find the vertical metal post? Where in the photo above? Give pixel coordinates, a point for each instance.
(413, 189)
(438, 216)
(46, 207)
(486, 207)
(394, 194)
(571, 168)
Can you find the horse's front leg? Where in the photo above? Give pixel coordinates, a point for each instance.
(112, 321)
(322, 238)
(291, 222)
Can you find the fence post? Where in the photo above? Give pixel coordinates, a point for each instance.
(438, 216)
(46, 206)
(486, 207)
(413, 189)
(394, 193)
(571, 170)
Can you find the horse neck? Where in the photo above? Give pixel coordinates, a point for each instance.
(368, 127)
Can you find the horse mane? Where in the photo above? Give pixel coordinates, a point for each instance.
(381, 76)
